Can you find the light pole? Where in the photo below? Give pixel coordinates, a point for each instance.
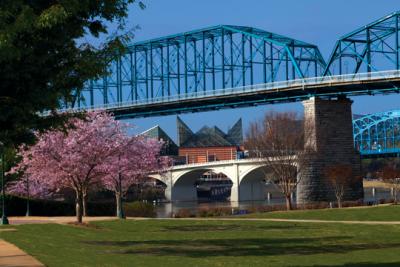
(4, 220)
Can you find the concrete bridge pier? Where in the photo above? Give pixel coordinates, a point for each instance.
(329, 135)
(181, 193)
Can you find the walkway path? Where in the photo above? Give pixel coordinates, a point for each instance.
(12, 256)
(61, 219)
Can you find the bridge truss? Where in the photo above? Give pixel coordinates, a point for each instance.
(201, 61)
(378, 134)
(229, 66)
(374, 47)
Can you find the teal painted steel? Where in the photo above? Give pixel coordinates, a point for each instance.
(378, 134)
(373, 47)
(213, 58)
(180, 72)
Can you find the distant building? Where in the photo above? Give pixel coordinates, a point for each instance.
(169, 148)
(209, 143)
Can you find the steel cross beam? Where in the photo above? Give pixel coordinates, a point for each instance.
(374, 47)
(204, 60)
(215, 67)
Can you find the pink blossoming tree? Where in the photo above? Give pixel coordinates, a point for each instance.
(137, 157)
(28, 188)
(80, 159)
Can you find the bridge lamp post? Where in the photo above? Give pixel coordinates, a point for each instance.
(4, 220)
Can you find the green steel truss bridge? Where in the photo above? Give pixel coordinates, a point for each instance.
(233, 66)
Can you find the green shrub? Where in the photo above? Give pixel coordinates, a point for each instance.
(183, 213)
(214, 212)
(139, 209)
(16, 206)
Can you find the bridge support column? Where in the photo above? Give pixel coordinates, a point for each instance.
(183, 190)
(235, 189)
(235, 193)
(329, 135)
(168, 193)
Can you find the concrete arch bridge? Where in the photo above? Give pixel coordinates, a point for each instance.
(247, 176)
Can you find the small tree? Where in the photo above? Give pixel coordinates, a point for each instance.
(391, 175)
(28, 188)
(339, 176)
(76, 159)
(136, 157)
(278, 140)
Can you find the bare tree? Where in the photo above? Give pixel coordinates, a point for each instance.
(391, 175)
(278, 140)
(339, 176)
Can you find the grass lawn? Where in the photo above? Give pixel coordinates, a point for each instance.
(209, 243)
(376, 213)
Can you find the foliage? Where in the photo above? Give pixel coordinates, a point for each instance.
(372, 168)
(96, 152)
(183, 213)
(135, 157)
(339, 176)
(16, 206)
(214, 212)
(278, 140)
(45, 57)
(391, 175)
(75, 160)
(140, 209)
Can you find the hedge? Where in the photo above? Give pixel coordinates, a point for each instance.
(16, 206)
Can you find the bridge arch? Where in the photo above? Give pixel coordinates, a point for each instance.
(252, 185)
(184, 188)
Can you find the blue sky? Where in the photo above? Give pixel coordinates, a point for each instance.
(319, 22)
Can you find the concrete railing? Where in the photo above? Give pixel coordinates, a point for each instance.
(217, 162)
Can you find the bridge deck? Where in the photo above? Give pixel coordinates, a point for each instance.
(276, 92)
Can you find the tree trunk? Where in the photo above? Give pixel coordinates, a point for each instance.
(78, 207)
(84, 203)
(118, 195)
(395, 195)
(120, 209)
(288, 202)
(28, 212)
(339, 202)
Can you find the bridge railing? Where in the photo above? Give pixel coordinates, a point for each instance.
(243, 89)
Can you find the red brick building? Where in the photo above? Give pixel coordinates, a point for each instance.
(209, 143)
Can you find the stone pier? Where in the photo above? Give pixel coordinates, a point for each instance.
(329, 135)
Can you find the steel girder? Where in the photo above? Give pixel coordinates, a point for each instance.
(194, 62)
(374, 47)
(378, 133)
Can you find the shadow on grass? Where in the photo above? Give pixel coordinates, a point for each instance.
(240, 247)
(363, 264)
